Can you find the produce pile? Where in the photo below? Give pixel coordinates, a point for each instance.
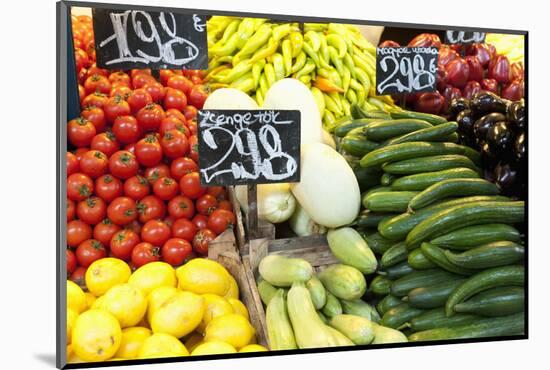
(156, 311)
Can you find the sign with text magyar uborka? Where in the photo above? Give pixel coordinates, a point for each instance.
(138, 39)
(249, 146)
(464, 37)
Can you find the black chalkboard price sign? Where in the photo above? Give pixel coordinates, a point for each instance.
(464, 37)
(137, 39)
(249, 147)
(406, 70)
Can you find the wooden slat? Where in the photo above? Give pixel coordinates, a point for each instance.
(239, 230)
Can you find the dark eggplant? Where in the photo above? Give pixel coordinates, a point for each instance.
(458, 105)
(465, 121)
(516, 115)
(519, 148)
(483, 124)
(488, 156)
(500, 138)
(487, 102)
(506, 177)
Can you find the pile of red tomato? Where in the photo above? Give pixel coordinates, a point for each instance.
(133, 187)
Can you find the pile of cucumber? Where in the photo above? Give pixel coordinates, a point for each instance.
(450, 258)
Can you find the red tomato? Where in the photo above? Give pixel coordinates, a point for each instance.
(206, 204)
(190, 112)
(134, 226)
(108, 187)
(168, 220)
(182, 166)
(193, 147)
(119, 77)
(97, 83)
(71, 261)
(122, 210)
(155, 232)
(180, 83)
(80, 152)
(79, 186)
(190, 185)
(89, 251)
(201, 240)
(192, 126)
(196, 79)
(77, 232)
(126, 129)
(78, 276)
(122, 243)
(165, 188)
(81, 59)
(174, 99)
(114, 107)
(95, 100)
(150, 208)
(184, 228)
(164, 75)
(150, 117)
(173, 123)
(94, 163)
(136, 187)
(225, 204)
(121, 90)
(72, 163)
(217, 192)
(197, 96)
(105, 230)
(174, 144)
(200, 221)
(96, 116)
(105, 143)
(156, 90)
(152, 174)
(81, 94)
(71, 210)
(149, 151)
(175, 251)
(181, 207)
(95, 70)
(131, 148)
(176, 113)
(138, 99)
(80, 132)
(144, 253)
(221, 220)
(91, 210)
(140, 80)
(123, 164)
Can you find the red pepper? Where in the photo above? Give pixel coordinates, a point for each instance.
(389, 44)
(430, 103)
(518, 73)
(471, 88)
(489, 84)
(514, 91)
(446, 54)
(481, 52)
(425, 40)
(458, 73)
(499, 69)
(449, 94)
(476, 70)
(441, 78)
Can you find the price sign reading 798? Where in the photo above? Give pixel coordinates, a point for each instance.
(406, 70)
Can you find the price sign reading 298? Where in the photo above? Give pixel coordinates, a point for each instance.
(406, 70)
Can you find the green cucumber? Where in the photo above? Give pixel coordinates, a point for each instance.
(380, 285)
(397, 316)
(368, 219)
(397, 253)
(383, 130)
(431, 118)
(433, 133)
(399, 152)
(357, 146)
(437, 256)
(332, 306)
(398, 227)
(367, 177)
(452, 187)
(436, 318)
(494, 254)
(387, 179)
(418, 261)
(433, 296)
(417, 279)
(473, 236)
(377, 189)
(388, 201)
(464, 215)
(397, 271)
(487, 279)
(473, 154)
(452, 138)
(499, 301)
(429, 164)
(386, 303)
(361, 308)
(377, 243)
(421, 181)
(492, 327)
(343, 129)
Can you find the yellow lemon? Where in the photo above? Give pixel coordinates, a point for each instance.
(90, 299)
(105, 273)
(76, 299)
(97, 303)
(238, 307)
(201, 276)
(162, 345)
(253, 348)
(71, 357)
(214, 306)
(153, 275)
(233, 329)
(213, 348)
(179, 315)
(233, 291)
(157, 298)
(193, 341)
(132, 340)
(96, 335)
(71, 318)
(126, 303)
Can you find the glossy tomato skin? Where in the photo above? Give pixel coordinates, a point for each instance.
(94, 163)
(150, 208)
(104, 231)
(149, 151)
(115, 107)
(180, 83)
(206, 204)
(174, 99)
(197, 96)
(221, 220)
(150, 117)
(201, 240)
(72, 163)
(182, 166)
(191, 187)
(122, 243)
(176, 114)
(193, 145)
(91, 210)
(152, 174)
(122, 210)
(155, 232)
(144, 253)
(77, 232)
(138, 99)
(184, 228)
(217, 192)
(90, 251)
(175, 251)
(123, 164)
(134, 226)
(126, 129)
(80, 152)
(190, 112)
(200, 221)
(136, 187)
(173, 123)
(95, 100)
(181, 207)
(142, 79)
(80, 132)
(71, 210)
(225, 204)
(106, 143)
(97, 83)
(78, 276)
(71, 261)
(108, 187)
(156, 90)
(119, 77)
(121, 90)
(96, 116)
(165, 188)
(79, 186)
(174, 144)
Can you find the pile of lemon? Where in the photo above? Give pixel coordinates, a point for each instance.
(157, 311)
